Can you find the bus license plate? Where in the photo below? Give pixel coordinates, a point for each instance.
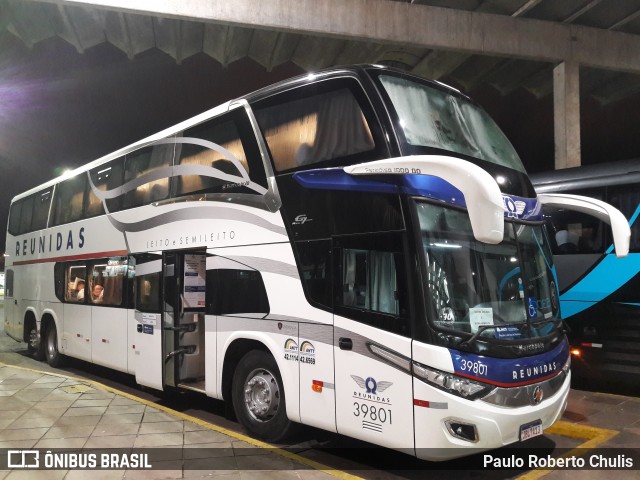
(530, 430)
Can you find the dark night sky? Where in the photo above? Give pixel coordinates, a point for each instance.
(60, 109)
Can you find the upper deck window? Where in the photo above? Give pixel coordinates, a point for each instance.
(27, 215)
(42, 202)
(220, 155)
(104, 178)
(311, 125)
(148, 170)
(15, 217)
(69, 200)
(30, 213)
(434, 118)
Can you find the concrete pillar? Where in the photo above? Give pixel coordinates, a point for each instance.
(566, 114)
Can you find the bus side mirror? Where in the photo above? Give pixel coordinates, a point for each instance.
(596, 208)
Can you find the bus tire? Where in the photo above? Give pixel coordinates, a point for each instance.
(35, 345)
(258, 397)
(51, 352)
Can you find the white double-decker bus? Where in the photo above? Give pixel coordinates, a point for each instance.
(359, 250)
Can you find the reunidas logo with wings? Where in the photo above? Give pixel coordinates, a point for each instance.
(372, 389)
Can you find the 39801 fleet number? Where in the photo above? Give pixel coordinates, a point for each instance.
(371, 412)
(477, 368)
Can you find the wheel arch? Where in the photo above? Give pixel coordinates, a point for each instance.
(235, 350)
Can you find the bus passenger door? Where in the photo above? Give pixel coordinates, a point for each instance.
(147, 336)
(184, 319)
(372, 341)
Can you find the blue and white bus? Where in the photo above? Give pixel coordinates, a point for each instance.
(599, 293)
(357, 249)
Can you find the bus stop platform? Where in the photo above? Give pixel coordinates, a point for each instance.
(41, 410)
(46, 411)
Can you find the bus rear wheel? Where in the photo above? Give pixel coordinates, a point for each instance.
(34, 343)
(258, 397)
(51, 352)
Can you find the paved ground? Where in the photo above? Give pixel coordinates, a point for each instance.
(40, 410)
(46, 409)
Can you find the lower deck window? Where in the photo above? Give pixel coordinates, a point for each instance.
(231, 291)
(75, 280)
(369, 281)
(370, 284)
(107, 281)
(100, 282)
(148, 292)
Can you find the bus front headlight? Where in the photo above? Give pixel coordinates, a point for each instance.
(451, 383)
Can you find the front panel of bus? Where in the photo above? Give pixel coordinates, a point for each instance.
(440, 341)
(493, 308)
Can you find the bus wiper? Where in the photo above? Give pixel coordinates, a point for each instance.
(471, 340)
(482, 328)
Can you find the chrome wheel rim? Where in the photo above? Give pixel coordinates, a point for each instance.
(34, 339)
(261, 395)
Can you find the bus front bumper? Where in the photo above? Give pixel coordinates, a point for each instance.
(469, 427)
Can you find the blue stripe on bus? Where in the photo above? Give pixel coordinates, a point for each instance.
(424, 185)
(607, 277)
(510, 372)
(633, 218)
(428, 186)
(591, 286)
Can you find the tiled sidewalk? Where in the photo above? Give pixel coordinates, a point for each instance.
(45, 411)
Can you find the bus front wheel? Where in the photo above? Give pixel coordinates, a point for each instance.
(258, 397)
(51, 352)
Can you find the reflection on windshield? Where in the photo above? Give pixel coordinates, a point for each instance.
(433, 118)
(472, 285)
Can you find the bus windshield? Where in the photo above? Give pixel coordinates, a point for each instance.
(434, 118)
(502, 292)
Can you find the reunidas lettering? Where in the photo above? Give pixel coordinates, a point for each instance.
(530, 372)
(42, 244)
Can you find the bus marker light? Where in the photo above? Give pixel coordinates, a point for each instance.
(427, 404)
(576, 352)
(317, 386)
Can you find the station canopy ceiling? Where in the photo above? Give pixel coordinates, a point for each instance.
(85, 26)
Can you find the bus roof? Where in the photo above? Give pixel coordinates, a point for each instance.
(351, 70)
(587, 176)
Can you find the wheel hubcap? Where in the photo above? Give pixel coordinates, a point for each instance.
(34, 339)
(261, 395)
